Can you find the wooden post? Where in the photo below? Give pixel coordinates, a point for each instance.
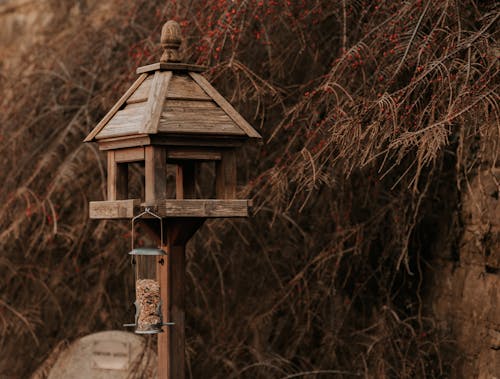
(176, 309)
(171, 273)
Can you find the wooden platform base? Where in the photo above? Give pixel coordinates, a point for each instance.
(206, 208)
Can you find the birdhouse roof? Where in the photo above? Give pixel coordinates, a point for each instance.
(172, 99)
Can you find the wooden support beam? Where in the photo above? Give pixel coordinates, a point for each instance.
(164, 338)
(194, 154)
(176, 266)
(117, 178)
(155, 173)
(225, 180)
(132, 154)
(115, 209)
(171, 208)
(193, 208)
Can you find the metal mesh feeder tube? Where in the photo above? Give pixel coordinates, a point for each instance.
(147, 291)
(148, 306)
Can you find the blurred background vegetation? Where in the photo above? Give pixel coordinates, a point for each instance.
(375, 115)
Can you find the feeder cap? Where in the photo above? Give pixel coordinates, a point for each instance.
(147, 251)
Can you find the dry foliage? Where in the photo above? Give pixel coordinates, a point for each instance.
(371, 112)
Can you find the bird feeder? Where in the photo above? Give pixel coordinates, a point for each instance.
(173, 117)
(148, 304)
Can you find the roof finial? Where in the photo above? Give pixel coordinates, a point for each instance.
(171, 38)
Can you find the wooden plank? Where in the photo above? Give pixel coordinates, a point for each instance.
(125, 122)
(171, 208)
(176, 311)
(179, 182)
(132, 154)
(116, 209)
(225, 176)
(171, 67)
(201, 127)
(156, 99)
(198, 115)
(194, 154)
(182, 87)
(111, 178)
(155, 172)
(164, 338)
(172, 105)
(201, 140)
(200, 208)
(123, 142)
(224, 104)
(142, 92)
(115, 108)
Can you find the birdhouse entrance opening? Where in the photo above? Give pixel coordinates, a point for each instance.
(136, 180)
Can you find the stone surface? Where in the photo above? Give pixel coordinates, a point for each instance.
(106, 355)
(465, 294)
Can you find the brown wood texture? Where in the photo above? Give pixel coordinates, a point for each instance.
(164, 338)
(123, 142)
(117, 209)
(179, 182)
(202, 141)
(142, 92)
(155, 173)
(194, 154)
(202, 126)
(176, 310)
(127, 121)
(182, 87)
(172, 105)
(117, 181)
(172, 208)
(226, 176)
(224, 104)
(156, 99)
(170, 66)
(202, 208)
(198, 140)
(115, 108)
(132, 154)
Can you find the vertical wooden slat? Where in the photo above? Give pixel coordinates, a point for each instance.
(179, 182)
(164, 338)
(176, 303)
(225, 181)
(117, 178)
(111, 175)
(155, 172)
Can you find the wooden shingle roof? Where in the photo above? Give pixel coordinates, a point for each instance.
(172, 99)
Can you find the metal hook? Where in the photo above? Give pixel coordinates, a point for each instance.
(147, 211)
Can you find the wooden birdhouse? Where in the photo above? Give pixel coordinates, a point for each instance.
(171, 117)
